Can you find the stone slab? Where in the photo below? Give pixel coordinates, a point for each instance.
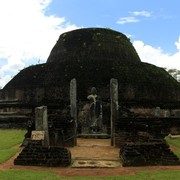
(37, 135)
(95, 164)
(174, 136)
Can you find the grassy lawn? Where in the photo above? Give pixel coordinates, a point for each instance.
(50, 175)
(8, 141)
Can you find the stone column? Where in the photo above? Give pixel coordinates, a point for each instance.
(177, 113)
(166, 114)
(73, 105)
(157, 112)
(41, 123)
(114, 107)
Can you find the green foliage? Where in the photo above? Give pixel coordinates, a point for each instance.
(8, 141)
(174, 73)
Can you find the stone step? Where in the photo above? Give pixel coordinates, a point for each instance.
(5, 116)
(8, 113)
(9, 101)
(94, 136)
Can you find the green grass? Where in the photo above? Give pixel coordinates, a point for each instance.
(174, 142)
(51, 175)
(177, 153)
(156, 175)
(8, 141)
(27, 174)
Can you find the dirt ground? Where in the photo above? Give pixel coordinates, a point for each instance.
(94, 149)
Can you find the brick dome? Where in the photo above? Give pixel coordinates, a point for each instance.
(94, 43)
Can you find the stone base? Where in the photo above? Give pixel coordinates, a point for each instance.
(147, 154)
(34, 154)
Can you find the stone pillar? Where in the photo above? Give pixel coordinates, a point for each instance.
(73, 105)
(177, 113)
(114, 107)
(166, 114)
(41, 123)
(157, 112)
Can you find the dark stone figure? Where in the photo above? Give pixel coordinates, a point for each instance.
(95, 111)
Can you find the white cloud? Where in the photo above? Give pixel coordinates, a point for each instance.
(156, 56)
(133, 18)
(178, 44)
(4, 80)
(124, 20)
(27, 34)
(141, 13)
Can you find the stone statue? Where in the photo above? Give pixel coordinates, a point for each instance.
(95, 111)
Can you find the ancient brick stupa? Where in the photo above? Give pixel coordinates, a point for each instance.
(93, 56)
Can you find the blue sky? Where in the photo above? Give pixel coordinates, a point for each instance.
(30, 28)
(158, 25)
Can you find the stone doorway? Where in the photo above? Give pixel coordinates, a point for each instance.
(89, 116)
(91, 122)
